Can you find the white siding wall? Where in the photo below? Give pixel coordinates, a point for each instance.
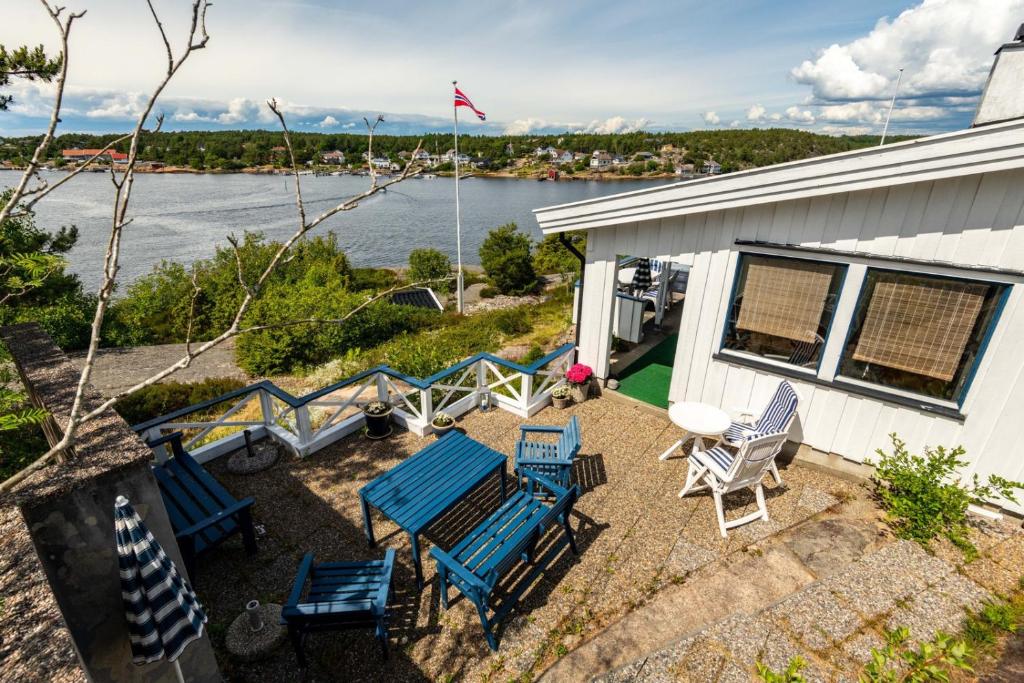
(973, 220)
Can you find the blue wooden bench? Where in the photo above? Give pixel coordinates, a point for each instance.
(509, 536)
(203, 514)
(342, 595)
(550, 459)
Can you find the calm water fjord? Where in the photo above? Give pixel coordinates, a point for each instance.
(182, 217)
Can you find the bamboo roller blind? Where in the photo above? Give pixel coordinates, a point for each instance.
(919, 325)
(784, 298)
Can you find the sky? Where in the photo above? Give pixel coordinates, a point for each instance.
(533, 66)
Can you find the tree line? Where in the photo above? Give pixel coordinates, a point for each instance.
(237, 149)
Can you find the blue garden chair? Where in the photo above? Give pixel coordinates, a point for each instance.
(546, 458)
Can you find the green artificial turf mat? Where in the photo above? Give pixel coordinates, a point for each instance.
(648, 378)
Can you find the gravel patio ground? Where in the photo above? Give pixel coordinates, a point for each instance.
(635, 536)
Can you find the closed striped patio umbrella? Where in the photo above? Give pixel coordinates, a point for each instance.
(162, 610)
(642, 275)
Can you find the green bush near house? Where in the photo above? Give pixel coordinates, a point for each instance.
(166, 397)
(512, 321)
(430, 264)
(505, 256)
(372, 278)
(924, 496)
(551, 257)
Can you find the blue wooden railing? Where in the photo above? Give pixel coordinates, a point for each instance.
(310, 422)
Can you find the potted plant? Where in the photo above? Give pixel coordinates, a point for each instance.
(579, 381)
(442, 424)
(378, 419)
(561, 396)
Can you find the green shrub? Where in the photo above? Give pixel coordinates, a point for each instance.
(534, 354)
(430, 264)
(790, 675)
(67, 319)
(551, 256)
(932, 660)
(488, 292)
(166, 397)
(505, 256)
(376, 279)
(924, 497)
(512, 321)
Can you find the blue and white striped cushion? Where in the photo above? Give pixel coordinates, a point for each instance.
(738, 431)
(779, 410)
(719, 456)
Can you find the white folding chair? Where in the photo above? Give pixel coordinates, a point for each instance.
(723, 471)
(777, 416)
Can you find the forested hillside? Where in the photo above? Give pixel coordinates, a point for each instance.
(233, 150)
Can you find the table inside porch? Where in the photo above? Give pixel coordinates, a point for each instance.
(420, 490)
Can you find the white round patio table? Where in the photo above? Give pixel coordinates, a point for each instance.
(626, 276)
(699, 420)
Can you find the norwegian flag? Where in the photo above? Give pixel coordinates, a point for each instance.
(462, 101)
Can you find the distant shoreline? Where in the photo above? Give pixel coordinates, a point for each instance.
(326, 170)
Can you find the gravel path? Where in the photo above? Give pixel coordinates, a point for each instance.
(119, 369)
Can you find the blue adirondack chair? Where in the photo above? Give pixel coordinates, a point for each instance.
(549, 459)
(341, 595)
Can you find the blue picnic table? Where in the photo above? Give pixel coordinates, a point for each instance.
(420, 490)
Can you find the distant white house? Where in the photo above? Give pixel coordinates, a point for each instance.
(334, 157)
(643, 156)
(381, 162)
(619, 160)
(562, 156)
(541, 151)
(421, 155)
(600, 160)
(449, 156)
(711, 167)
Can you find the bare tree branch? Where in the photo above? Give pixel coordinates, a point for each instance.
(64, 29)
(252, 290)
(119, 219)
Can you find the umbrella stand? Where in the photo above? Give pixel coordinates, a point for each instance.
(177, 670)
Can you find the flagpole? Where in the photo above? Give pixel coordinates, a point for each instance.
(458, 218)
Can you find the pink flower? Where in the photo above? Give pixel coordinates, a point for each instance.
(579, 373)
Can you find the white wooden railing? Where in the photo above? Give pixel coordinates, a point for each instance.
(308, 423)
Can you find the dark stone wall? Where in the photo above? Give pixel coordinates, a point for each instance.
(68, 513)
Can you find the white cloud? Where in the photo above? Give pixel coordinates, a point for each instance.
(775, 117)
(735, 124)
(239, 110)
(350, 124)
(859, 112)
(127, 105)
(756, 113)
(799, 116)
(847, 130)
(945, 46)
(614, 124)
(525, 126)
(711, 118)
(187, 115)
(328, 122)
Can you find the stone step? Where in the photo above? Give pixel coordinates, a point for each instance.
(775, 567)
(832, 622)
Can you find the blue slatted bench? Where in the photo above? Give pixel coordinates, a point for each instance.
(550, 459)
(509, 536)
(341, 595)
(203, 514)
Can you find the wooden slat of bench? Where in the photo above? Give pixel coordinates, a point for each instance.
(487, 537)
(207, 480)
(508, 551)
(410, 467)
(189, 512)
(196, 489)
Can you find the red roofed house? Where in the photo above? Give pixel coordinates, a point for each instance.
(79, 155)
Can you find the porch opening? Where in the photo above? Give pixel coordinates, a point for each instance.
(645, 329)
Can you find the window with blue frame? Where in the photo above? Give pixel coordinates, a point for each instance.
(919, 333)
(782, 308)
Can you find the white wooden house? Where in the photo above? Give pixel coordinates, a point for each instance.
(886, 283)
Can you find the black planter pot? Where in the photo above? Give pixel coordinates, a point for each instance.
(378, 426)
